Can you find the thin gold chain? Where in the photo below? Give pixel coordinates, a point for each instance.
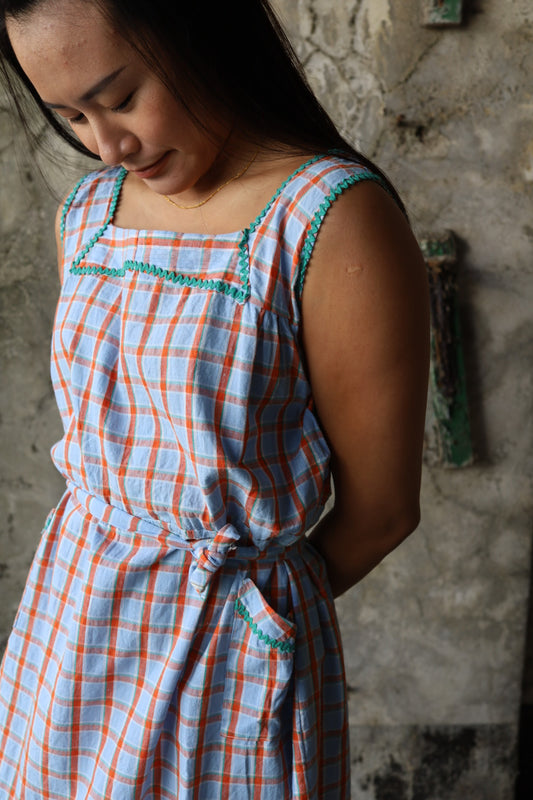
(218, 189)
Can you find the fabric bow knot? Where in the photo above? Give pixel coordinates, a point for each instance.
(210, 558)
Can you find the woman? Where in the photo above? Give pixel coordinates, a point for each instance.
(243, 314)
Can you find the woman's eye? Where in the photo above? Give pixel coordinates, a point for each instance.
(77, 120)
(125, 103)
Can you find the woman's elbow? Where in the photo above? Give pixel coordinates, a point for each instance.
(398, 527)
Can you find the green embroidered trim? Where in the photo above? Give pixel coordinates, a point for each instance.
(244, 263)
(92, 269)
(285, 647)
(187, 280)
(241, 295)
(312, 233)
(174, 277)
(223, 287)
(262, 214)
(66, 206)
(114, 200)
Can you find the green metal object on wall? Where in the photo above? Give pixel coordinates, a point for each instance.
(448, 380)
(442, 12)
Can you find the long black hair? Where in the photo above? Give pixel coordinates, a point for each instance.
(232, 56)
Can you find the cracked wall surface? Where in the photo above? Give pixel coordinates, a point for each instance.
(434, 638)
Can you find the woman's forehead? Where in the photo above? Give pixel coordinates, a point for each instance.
(65, 42)
(62, 25)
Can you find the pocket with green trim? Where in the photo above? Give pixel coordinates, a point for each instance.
(259, 668)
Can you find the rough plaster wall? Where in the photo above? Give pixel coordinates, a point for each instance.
(29, 285)
(434, 637)
(28, 422)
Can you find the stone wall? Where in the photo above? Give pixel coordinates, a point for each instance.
(434, 638)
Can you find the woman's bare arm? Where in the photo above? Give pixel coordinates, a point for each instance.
(366, 338)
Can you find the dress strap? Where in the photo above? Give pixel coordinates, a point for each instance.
(88, 210)
(334, 190)
(284, 235)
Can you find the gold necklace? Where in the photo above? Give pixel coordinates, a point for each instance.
(218, 189)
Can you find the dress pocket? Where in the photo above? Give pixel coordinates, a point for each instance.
(259, 668)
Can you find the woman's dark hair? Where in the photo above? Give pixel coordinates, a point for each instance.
(232, 56)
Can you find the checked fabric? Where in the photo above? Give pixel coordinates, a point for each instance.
(176, 637)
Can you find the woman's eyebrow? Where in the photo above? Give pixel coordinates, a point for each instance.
(94, 90)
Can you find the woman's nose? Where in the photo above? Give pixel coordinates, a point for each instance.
(115, 144)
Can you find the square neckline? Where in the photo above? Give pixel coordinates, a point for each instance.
(143, 233)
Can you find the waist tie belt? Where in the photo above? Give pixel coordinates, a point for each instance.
(210, 552)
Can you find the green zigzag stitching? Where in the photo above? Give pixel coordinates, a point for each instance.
(66, 206)
(135, 266)
(262, 214)
(92, 269)
(312, 233)
(240, 295)
(285, 647)
(166, 274)
(92, 241)
(244, 262)
(188, 280)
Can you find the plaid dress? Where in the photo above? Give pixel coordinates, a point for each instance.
(177, 637)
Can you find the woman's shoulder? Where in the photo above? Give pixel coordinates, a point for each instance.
(332, 169)
(305, 197)
(317, 182)
(341, 211)
(335, 162)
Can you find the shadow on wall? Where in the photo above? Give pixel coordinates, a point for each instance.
(432, 763)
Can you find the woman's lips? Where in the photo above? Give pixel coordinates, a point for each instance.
(152, 169)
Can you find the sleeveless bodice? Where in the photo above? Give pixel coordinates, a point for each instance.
(177, 363)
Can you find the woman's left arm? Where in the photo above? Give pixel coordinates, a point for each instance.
(365, 333)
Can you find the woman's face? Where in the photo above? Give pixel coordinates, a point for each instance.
(84, 70)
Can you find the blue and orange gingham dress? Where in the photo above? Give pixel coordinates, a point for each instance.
(177, 637)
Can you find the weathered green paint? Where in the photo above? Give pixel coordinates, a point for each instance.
(448, 380)
(442, 12)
